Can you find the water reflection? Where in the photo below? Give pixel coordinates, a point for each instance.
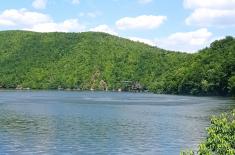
(102, 123)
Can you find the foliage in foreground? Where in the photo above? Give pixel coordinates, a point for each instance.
(221, 137)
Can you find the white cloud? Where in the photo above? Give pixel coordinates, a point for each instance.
(144, 1)
(142, 40)
(140, 22)
(211, 12)
(22, 17)
(34, 21)
(70, 25)
(211, 17)
(76, 1)
(181, 41)
(5, 22)
(212, 4)
(104, 28)
(186, 41)
(39, 4)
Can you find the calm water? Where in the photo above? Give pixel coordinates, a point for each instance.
(57, 122)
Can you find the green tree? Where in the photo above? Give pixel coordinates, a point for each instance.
(232, 85)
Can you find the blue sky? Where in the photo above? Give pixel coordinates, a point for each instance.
(184, 25)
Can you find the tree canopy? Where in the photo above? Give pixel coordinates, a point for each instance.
(92, 60)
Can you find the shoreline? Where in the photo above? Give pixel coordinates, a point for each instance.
(107, 91)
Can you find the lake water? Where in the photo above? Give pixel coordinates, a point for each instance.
(59, 122)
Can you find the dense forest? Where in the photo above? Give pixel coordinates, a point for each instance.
(99, 61)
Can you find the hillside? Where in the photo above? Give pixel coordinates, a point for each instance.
(211, 71)
(100, 61)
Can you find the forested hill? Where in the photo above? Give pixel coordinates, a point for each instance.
(100, 61)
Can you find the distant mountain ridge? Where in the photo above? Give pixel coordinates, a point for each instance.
(99, 61)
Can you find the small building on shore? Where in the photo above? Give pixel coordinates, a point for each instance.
(132, 86)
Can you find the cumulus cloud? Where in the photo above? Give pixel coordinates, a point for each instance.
(212, 4)
(211, 12)
(6, 22)
(70, 25)
(140, 22)
(22, 17)
(186, 41)
(181, 41)
(104, 28)
(39, 4)
(211, 17)
(144, 1)
(34, 21)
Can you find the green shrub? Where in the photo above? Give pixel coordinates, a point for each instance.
(221, 136)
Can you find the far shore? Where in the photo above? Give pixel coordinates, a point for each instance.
(108, 91)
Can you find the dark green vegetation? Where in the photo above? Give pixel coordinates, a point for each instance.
(221, 137)
(100, 61)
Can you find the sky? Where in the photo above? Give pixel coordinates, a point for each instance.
(179, 25)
